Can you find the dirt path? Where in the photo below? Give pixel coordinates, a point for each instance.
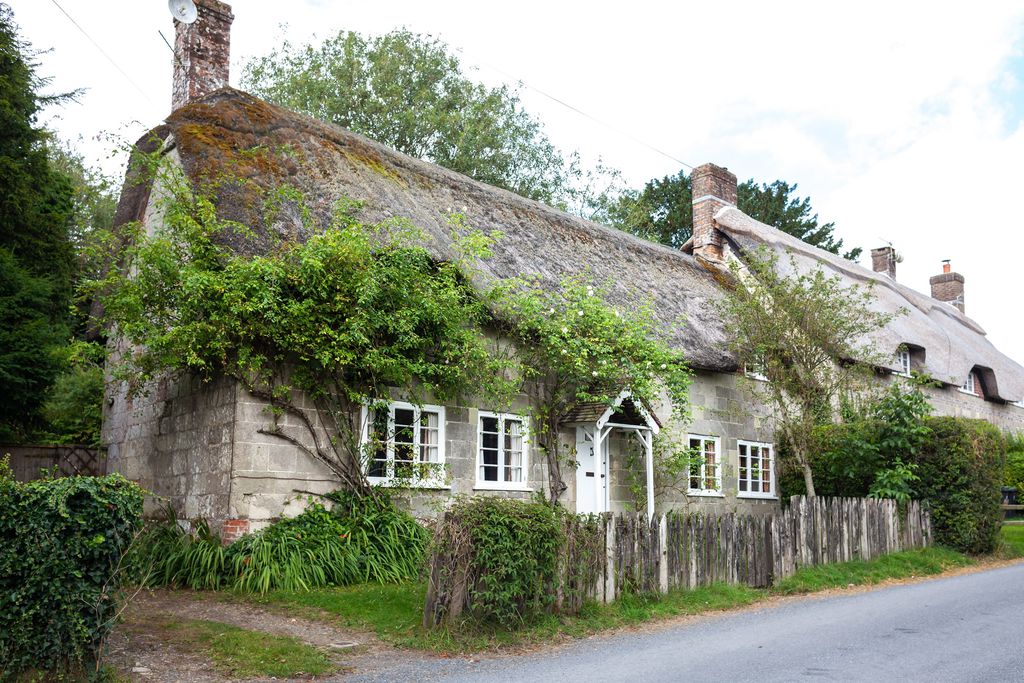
(139, 649)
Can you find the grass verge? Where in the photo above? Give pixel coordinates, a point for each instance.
(904, 565)
(394, 612)
(1012, 545)
(241, 653)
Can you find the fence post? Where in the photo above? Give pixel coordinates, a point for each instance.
(609, 550)
(663, 546)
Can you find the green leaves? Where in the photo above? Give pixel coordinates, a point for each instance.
(408, 92)
(62, 542)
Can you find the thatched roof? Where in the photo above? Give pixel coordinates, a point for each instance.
(953, 343)
(236, 133)
(233, 133)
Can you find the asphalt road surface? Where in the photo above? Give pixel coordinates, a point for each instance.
(962, 628)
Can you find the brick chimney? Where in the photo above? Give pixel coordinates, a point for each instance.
(713, 187)
(201, 53)
(948, 286)
(883, 260)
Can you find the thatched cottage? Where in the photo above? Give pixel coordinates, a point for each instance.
(201, 444)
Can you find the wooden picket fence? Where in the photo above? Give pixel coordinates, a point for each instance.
(686, 550)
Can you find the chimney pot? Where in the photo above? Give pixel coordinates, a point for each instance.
(945, 266)
(712, 187)
(883, 260)
(202, 52)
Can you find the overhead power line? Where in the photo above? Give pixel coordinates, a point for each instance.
(102, 51)
(582, 113)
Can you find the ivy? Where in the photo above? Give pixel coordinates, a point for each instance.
(61, 544)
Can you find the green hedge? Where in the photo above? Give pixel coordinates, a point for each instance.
(959, 465)
(61, 541)
(961, 469)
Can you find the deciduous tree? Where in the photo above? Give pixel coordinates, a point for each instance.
(808, 334)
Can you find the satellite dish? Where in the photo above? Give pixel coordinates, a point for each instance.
(183, 10)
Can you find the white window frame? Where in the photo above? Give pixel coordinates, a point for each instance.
(903, 361)
(436, 480)
(486, 485)
(970, 384)
(719, 456)
(773, 481)
(755, 373)
(1019, 404)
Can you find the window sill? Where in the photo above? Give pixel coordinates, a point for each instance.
(392, 483)
(493, 487)
(757, 496)
(900, 373)
(968, 393)
(706, 494)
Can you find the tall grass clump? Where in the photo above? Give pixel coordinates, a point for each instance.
(359, 540)
(390, 543)
(305, 552)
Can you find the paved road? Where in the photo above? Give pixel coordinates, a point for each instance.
(962, 628)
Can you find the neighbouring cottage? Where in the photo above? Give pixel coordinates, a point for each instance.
(201, 446)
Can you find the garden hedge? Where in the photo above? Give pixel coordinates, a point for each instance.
(61, 541)
(961, 469)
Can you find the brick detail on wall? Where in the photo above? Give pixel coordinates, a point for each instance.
(948, 287)
(713, 187)
(234, 529)
(201, 53)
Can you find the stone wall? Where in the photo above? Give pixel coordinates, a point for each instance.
(955, 403)
(175, 441)
(200, 445)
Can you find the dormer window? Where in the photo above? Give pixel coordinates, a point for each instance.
(971, 385)
(903, 362)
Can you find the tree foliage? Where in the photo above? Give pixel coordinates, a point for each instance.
(408, 91)
(343, 317)
(807, 334)
(663, 212)
(572, 347)
(36, 259)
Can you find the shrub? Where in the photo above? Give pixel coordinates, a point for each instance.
(510, 551)
(1013, 473)
(61, 543)
(960, 470)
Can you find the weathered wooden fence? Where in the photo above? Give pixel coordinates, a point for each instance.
(686, 550)
(65, 461)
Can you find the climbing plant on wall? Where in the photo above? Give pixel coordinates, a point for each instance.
(358, 312)
(574, 347)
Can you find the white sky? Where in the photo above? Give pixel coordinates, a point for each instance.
(901, 120)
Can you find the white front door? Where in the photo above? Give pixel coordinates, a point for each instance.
(590, 497)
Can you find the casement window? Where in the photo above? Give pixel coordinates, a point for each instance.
(502, 449)
(756, 470)
(903, 362)
(755, 371)
(404, 443)
(971, 384)
(705, 473)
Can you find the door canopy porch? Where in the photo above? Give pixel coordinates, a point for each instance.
(599, 420)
